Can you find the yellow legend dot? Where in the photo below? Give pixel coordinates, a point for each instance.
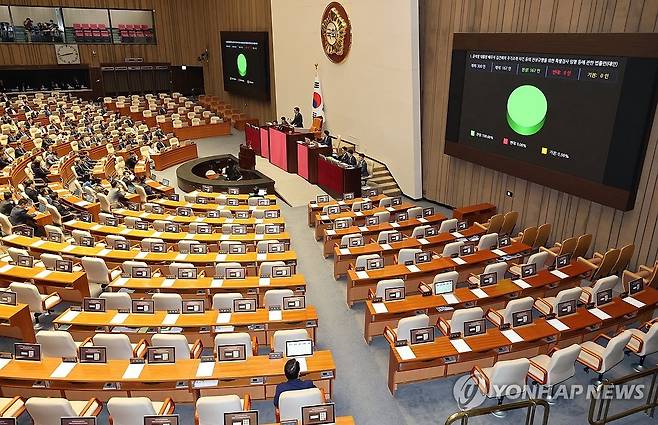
(544, 151)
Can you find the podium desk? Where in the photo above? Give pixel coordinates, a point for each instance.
(174, 156)
(16, 322)
(264, 133)
(283, 148)
(307, 159)
(336, 180)
(247, 157)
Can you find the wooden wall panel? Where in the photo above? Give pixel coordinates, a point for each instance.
(456, 182)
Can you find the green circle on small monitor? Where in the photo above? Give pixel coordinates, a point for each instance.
(242, 64)
(526, 110)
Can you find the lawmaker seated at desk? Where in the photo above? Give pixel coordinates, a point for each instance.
(292, 370)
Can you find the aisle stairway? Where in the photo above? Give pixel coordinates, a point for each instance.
(384, 181)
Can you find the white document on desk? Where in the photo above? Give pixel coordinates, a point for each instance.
(4, 362)
(43, 274)
(330, 232)
(358, 214)
(6, 268)
(385, 246)
(104, 252)
(461, 346)
(180, 257)
(324, 217)
(220, 257)
(479, 293)
(459, 261)
(223, 318)
(69, 248)
(133, 371)
(395, 224)
(634, 302)
(205, 369)
(69, 316)
(600, 314)
(119, 318)
(423, 241)
(120, 281)
(405, 352)
(263, 281)
(303, 367)
(274, 315)
(450, 298)
(422, 220)
(141, 255)
(343, 251)
(361, 274)
(457, 234)
(363, 228)
(37, 243)
(63, 370)
(559, 274)
(259, 236)
(170, 319)
(557, 324)
(168, 283)
(499, 252)
(379, 308)
(216, 283)
(521, 283)
(413, 268)
(512, 336)
(261, 256)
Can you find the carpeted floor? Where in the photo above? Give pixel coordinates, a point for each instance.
(360, 387)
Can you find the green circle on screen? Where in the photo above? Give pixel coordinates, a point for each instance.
(242, 64)
(526, 110)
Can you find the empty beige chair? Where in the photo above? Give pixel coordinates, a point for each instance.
(182, 348)
(488, 241)
(118, 346)
(408, 255)
(358, 205)
(111, 240)
(552, 369)
(385, 202)
(459, 317)
(625, 255)
(449, 225)
(175, 267)
(362, 260)
(117, 300)
(565, 247)
(383, 285)
(383, 216)
(279, 339)
(215, 120)
(509, 222)
(50, 260)
(452, 249)
(224, 300)
(504, 379)
(452, 276)
(262, 246)
(104, 202)
(415, 212)
(128, 266)
(549, 305)
(291, 403)
(195, 226)
(494, 224)
(589, 294)
(5, 225)
(265, 269)
(237, 338)
(227, 229)
(12, 407)
(50, 410)
(57, 344)
(541, 238)
(167, 301)
(78, 235)
(131, 410)
(384, 236)
(145, 244)
(98, 273)
(498, 268)
(27, 293)
(274, 297)
(345, 240)
(539, 259)
(582, 246)
(56, 216)
(403, 331)
(643, 343)
(159, 225)
(602, 359)
(209, 408)
(220, 269)
(14, 253)
(505, 315)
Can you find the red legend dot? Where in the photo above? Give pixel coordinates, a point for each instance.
(505, 141)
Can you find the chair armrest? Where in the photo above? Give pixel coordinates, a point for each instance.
(87, 342)
(604, 336)
(593, 354)
(443, 326)
(196, 349)
(277, 415)
(629, 276)
(640, 343)
(543, 301)
(167, 407)
(14, 401)
(547, 250)
(53, 296)
(254, 345)
(325, 398)
(140, 348)
(480, 226)
(202, 273)
(544, 372)
(395, 258)
(246, 404)
(495, 313)
(371, 293)
(475, 373)
(390, 335)
(93, 407)
(589, 263)
(646, 269)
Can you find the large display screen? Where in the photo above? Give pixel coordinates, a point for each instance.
(578, 123)
(245, 63)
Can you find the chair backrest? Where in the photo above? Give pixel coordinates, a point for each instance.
(529, 235)
(495, 223)
(129, 410)
(220, 269)
(111, 239)
(279, 338)
(449, 225)
(265, 269)
(540, 259)
(128, 266)
(79, 234)
(488, 241)
(210, 408)
(383, 216)
(178, 341)
(362, 260)
(408, 254)
(562, 365)
(27, 293)
(650, 345)
(509, 222)
(603, 284)
(568, 246)
(57, 344)
(224, 300)
(406, 324)
(445, 276)
(175, 266)
(614, 351)
(186, 245)
(419, 231)
(571, 294)
(542, 235)
(291, 403)
(582, 247)
(452, 248)
(145, 244)
(607, 262)
(514, 306)
(48, 410)
(50, 260)
(167, 301)
(498, 268)
(118, 345)
(509, 375)
(383, 236)
(5, 225)
(625, 254)
(415, 212)
(385, 284)
(262, 246)
(15, 252)
(234, 338)
(385, 202)
(116, 300)
(96, 269)
(464, 315)
(274, 297)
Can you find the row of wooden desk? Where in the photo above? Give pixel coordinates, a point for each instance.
(174, 156)
(315, 207)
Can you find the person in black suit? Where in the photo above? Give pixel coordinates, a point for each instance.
(131, 162)
(159, 145)
(39, 172)
(363, 165)
(350, 160)
(7, 204)
(297, 120)
(327, 140)
(343, 156)
(20, 216)
(31, 191)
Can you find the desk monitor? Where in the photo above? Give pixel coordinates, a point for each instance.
(321, 199)
(213, 214)
(348, 196)
(141, 225)
(272, 213)
(522, 318)
(143, 306)
(462, 225)
(133, 206)
(65, 266)
(237, 248)
(504, 241)
(562, 261)
(184, 211)
(333, 209)
(204, 229)
(157, 355)
(431, 231)
(395, 237)
(422, 335)
(281, 271)
(322, 414)
(234, 273)
(239, 229)
(233, 191)
(474, 327)
(296, 302)
(422, 257)
(193, 306)
(24, 351)
(8, 421)
(429, 211)
(86, 217)
(171, 228)
(140, 272)
(25, 261)
(263, 202)
(241, 215)
(111, 221)
(187, 273)
(299, 348)
(528, 270)
(93, 305)
(396, 200)
(230, 353)
(232, 202)
(201, 200)
(488, 279)
(355, 241)
(76, 420)
(635, 286)
(394, 294)
(8, 297)
(603, 297)
(198, 248)
(272, 229)
(159, 247)
(55, 237)
(121, 245)
(372, 192)
(565, 308)
(244, 305)
(157, 209)
(365, 206)
(87, 241)
(206, 188)
(374, 263)
(274, 248)
(241, 418)
(466, 250)
(165, 182)
(444, 287)
(161, 420)
(403, 216)
(372, 221)
(93, 354)
(174, 197)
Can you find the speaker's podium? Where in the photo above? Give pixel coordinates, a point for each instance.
(336, 178)
(283, 146)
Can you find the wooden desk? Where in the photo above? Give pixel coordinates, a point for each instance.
(314, 207)
(358, 286)
(174, 156)
(159, 381)
(172, 205)
(307, 159)
(158, 187)
(323, 222)
(219, 221)
(336, 180)
(544, 284)
(440, 358)
(472, 213)
(70, 286)
(203, 131)
(79, 204)
(15, 322)
(243, 198)
(340, 420)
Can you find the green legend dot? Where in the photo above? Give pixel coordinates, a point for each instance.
(242, 64)
(526, 110)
